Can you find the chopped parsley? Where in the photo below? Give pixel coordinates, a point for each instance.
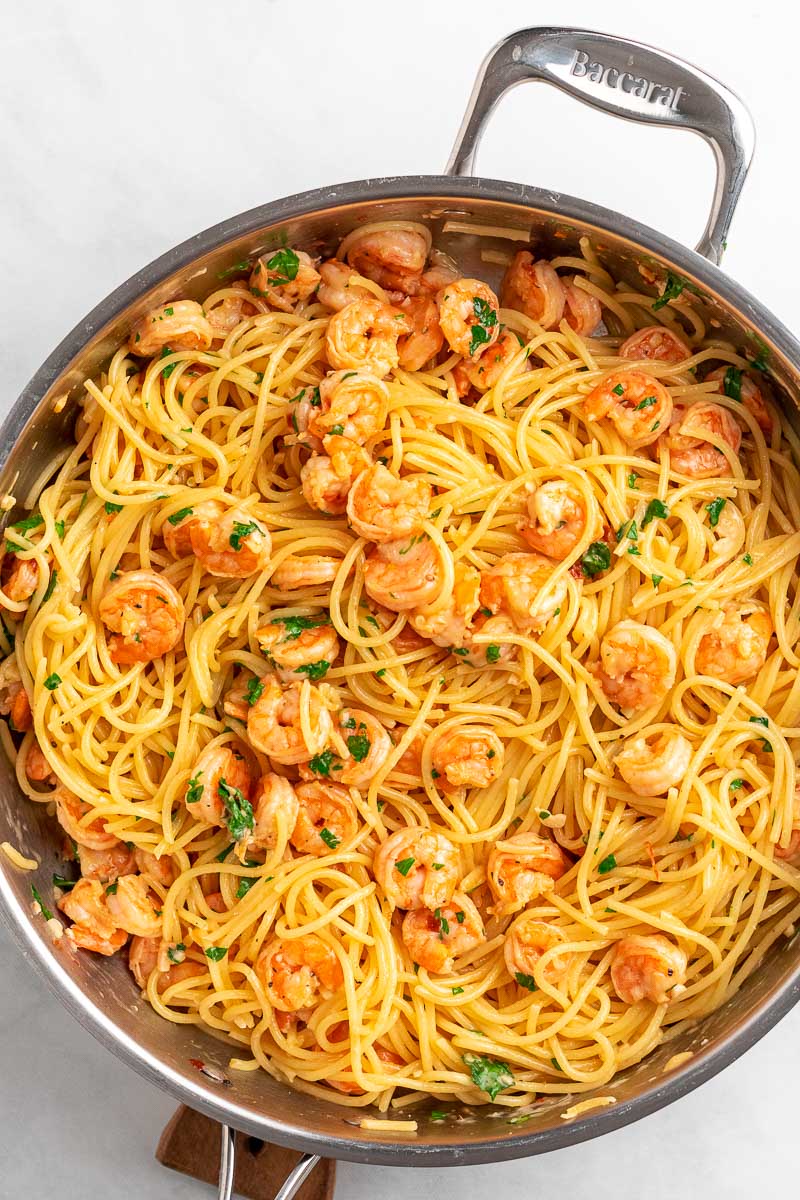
(443, 923)
(656, 508)
(314, 671)
(284, 264)
(656, 580)
(65, 884)
(765, 745)
(165, 353)
(321, 764)
(180, 515)
(51, 586)
(672, 289)
(330, 839)
(175, 954)
(526, 981)
(241, 530)
(732, 384)
(747, 558)
(735, 784)
(485, 319)
(359, 746)
(112, 508)
(492, 653)
(48, 916)
(619, 390)
(111, 890)
(608, 864)
(632, 477)
(648, 402)
(294, 626)
(457, 991)
(714, 509)
(31, 522)
(238, 810)
(596, 559)
(489, 1075)
(255, 687)
(337, 430)
(52, 682)
(215, 953)
(404, 865)
(194, 791)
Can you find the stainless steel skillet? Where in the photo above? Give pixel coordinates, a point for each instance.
(622, 78)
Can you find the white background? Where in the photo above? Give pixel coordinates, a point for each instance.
(128, 127)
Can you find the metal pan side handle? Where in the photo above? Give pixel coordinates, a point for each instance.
(227, 1167)
(629, 80)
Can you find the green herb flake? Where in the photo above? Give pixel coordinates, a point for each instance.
(294, 626)
(672, 289)
(492, 653)
(314, 671)
(180, 515)
(457, 991)
(241, 530)
(175, 954)
(485, 319)
(330, 839)
(489, 1075)
(359, 746)
(255, 687)
(215, 953)
(27, 523)
(648, 402)
(48, 916)
(632, 477)
(526, 981)
(596, 559)
(238, 810)
(65, 884)
(111, 890)
(404, 865)
(619, 390)
(52, 682)
(656, 580)
(321, 764)
(112, 508)
(748, 558)
(656, 508)
(765, 745)
(736, 784)
(194, 791)
(51, 586)
(436, 1114)
(284, 266)
(732, 384)
(714, 509)
(608, 864)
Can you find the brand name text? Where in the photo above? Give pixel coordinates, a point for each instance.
(583, 66)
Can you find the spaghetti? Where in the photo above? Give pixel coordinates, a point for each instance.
(413, 675)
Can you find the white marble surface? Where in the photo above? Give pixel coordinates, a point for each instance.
(126, 128)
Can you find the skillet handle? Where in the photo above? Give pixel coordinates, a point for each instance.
(628, 80)
(227, 1164)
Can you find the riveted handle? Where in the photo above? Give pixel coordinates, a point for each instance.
(628, 80)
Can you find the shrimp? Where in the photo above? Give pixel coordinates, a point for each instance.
(70, 811)
(146, 615)
(290, 725)
(363, 336)
(219, 787)
(753, 393)
(467, 756)
(522, 867)
(583, 311)
(161, 870)
(392, 258)
(275, 808)
(312, 570)
(299, 647)
(231, 546)
(107, 865)
(337, 287)
(535, 289)
(699, 430)
(133, 907)
(353, 405)
(447, 623)
(326, 817)
(426, 339)
(729, 533)
(526, 941)
(179, 325)
(177, 529)
(485, 370)
(655, 343)
(19, 577)
(284, 277)
(326, 479)
(647, 968)
(143, 958)
(792, 852)
(636, 404)
(417, 868)
(434, 939)
(735, 647)
(299, 972)
(383, 508)
(556, 518)
(652, 764)
(637, 666)
(468, 316)
(405, 574)
(231, 310)
(93, 926)
(368, 745)
(494, 648)
(37, 768)
(520, 585)
(14, 702)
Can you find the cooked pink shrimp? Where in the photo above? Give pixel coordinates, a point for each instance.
(143, 959)
(637, 666)
(326, 479)
(353, 405)
(417, 868)
(363, 336)
(132, 906)
(522, 867)
(656, 343)
(368, 745)
(299, 647)
(19, 577)
(426, 338)
(161, 870)
(434, 939)
(404, 574)
(736, 645)
(467, 756)
(14, 702)
(299, 414)
(447, 622)
(299, 972)
(637, 405)
(468, 316)
(308, 571)
(231, 546)
(483, 371)
(383, 508)
(520, 586)
(527, 939)
(276, 728)
(179, 325)
(275, 809)
(647, 968)
(494, 647)
(220, 781)
(652, 764)
(535, 289)
(176, 530)
(583, 311)
(392, 258)
(37, 768)
(70, 811)
(93, 926)
(326, 817)
(229, 312)
(107, 865)
(753, 393)
(337, 287)
(284, 277)
(146, 615)
(792, 852)
(556, 518)
(694, 437)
